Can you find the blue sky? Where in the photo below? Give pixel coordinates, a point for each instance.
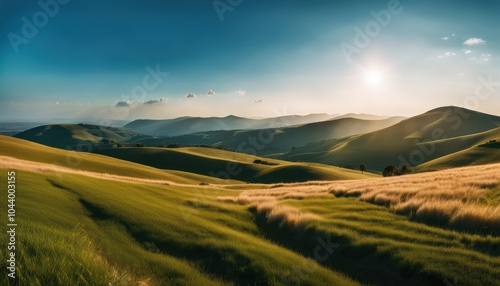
(89, 59)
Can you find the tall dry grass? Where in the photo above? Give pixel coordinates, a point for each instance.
(456, 198)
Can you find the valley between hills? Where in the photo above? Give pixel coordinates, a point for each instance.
(254, 202)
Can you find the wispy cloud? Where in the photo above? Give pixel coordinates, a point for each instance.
(447, 54)
(474, 41)
(482, 58)
(258, 101)
(446, 38)
(210, 93)
(190, 95)
(241, 92)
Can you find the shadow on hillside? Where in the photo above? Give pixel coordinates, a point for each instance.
(224, 263)
(359, 262)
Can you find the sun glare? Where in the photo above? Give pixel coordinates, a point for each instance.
(373, 77)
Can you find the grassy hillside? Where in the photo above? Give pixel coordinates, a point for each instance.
(477, 155)
(83, 230)
(413, 141)
(26, 150)
(408, 230)
(226, 164)
(77, 136)
(87, 231)
(278, 140)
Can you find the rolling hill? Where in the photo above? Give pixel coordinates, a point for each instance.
(87, 162)
(98, 229)
(231, 165)
(413, 141)
(478, 155)
(78, 136)
(187, 125)
(264, 142)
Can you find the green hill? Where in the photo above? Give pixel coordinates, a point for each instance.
(84, 230)
(26, 150)
(264, 142)
(478, 155)
(413, 141)
(78, 136)
(226, 164)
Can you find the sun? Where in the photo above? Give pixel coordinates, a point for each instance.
(373, 77)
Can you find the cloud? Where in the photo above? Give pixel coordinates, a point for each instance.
(190, 95)
(446, 38)
(258, 101)
(474, 41)
(485, 57)
(447, 54)
(241, 92)
(467, 51)
(122, 104)
(210, 93)
(482, 58)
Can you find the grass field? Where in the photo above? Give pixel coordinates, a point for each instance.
(26, 150)
(423, 228)
(477, 155)
(77, 230)
(81, 226)
(226, 164)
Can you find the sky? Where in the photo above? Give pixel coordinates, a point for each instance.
(126, 59)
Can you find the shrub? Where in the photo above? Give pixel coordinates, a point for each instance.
(362, 168)
(390, 171)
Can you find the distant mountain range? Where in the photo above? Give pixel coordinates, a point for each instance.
(441, 138)
(268, 141)
(187, 125)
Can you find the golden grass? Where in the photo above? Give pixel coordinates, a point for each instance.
(285, 216)
(456, 198)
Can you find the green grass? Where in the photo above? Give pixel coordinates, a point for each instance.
(380, 247)
(225, 164)
(26, 150)
(79, 230)
(477, 155)
(101, 232)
